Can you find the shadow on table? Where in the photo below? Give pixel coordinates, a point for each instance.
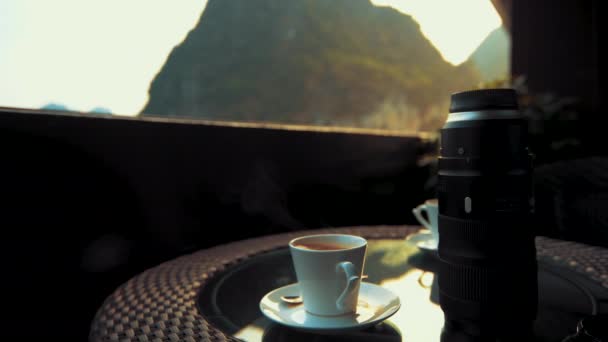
(383, 332)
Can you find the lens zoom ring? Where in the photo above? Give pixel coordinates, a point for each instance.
(464, 282)
(478, 240)
(469, 230)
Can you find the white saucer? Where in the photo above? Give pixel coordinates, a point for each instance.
(422, 235)
(375, 305)
(429, 245)
(423, 240)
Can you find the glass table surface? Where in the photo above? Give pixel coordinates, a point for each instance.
(230, 301)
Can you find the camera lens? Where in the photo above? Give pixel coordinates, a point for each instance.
(486, 242)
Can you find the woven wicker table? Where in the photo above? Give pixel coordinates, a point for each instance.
(160, 304)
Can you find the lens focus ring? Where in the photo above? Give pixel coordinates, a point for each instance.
(479, 242)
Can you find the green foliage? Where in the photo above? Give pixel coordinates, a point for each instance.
(554, 122)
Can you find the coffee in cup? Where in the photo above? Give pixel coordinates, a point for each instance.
(318, 246)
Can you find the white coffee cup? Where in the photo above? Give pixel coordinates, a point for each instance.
(431, 207)
(329, 279)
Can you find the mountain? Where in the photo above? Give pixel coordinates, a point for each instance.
(306, 61)
(492, 56)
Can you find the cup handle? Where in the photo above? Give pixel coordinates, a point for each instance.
(418, 213)
(352, 280)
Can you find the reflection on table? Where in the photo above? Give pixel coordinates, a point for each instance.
(396, 265)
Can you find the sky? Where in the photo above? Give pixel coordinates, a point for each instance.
(104, 53)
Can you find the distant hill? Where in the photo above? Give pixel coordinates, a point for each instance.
(492, 56)
(307, 61)
(63, 108)
(100, 110)
(55, 106)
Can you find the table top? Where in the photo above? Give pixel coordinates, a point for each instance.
(213, 295)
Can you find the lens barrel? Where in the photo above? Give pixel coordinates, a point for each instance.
(488, 271)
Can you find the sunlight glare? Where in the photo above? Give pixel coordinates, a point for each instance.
(85, 54)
